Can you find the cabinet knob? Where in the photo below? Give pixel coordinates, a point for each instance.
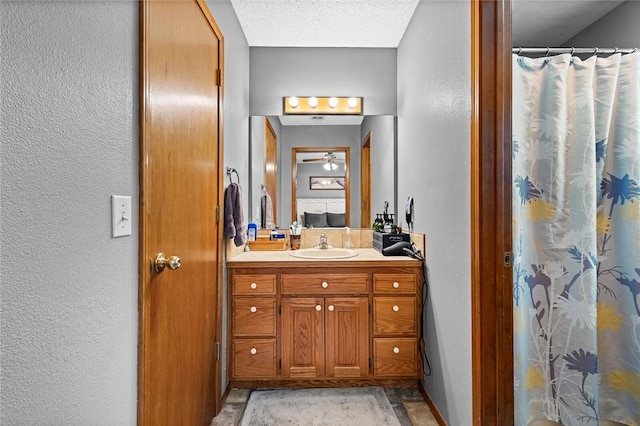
(331, 308)
(253, 351)
(396, 308)
(254, 309)
(325, 284)
(396, 284)
(396, 350)
(318, 307)
(253, 286)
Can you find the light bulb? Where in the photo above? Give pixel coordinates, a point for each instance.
(352, 102)
(333, 102)
(313, 102)
(293, 102)
(330, 166)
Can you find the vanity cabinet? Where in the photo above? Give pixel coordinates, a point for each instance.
(396, 312)
(325, 337)
(302, 324)
(253, 319)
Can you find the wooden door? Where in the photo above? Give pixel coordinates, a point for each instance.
(302, 337)
(365, 183)
(347, 336)
(180, 190)
(271, 165)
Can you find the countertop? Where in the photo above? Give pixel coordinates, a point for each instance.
(280, 256)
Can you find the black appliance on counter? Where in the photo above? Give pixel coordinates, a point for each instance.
(382, 240)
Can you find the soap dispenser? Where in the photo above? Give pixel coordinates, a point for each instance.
(347, 242)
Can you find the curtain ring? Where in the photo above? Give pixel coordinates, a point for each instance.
(519, 50)
(596, 51)
(548, 51)
(573, 49)
(615, 50)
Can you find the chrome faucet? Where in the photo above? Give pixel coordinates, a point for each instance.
(323, 242)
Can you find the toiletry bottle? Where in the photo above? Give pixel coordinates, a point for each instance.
(378, 224)
(252, 230)
(347, 243)
(387, 224)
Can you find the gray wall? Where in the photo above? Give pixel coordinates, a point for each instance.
(236, 122)
(618, 28)
(434, 103)
(306, 170)
(69, 141)
(319, 136)
(277, 72)
(383, 170)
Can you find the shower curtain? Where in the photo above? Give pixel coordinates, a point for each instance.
(576, 239)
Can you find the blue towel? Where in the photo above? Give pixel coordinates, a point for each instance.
(234, 226)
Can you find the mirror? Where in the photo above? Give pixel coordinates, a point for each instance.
(372, 138)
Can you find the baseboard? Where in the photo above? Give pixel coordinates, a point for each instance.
(434, 410)
(225, 394)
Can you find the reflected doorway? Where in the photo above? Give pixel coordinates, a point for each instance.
(365, 182)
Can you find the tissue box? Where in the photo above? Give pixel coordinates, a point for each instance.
(383, 240)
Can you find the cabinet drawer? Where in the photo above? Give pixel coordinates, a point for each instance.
(325, 284)
(394, 283)
(394, 315)
(395, 357)
(253, 358)
(254, 284)
(254, 316)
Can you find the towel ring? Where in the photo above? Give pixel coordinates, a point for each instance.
(231, 170)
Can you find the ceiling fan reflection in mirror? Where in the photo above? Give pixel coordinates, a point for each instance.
(329, 158)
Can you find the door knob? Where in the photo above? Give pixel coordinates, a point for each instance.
(161, 262)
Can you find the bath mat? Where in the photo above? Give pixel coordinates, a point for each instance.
(343, 406)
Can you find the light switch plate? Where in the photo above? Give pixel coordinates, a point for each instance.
(120, 215)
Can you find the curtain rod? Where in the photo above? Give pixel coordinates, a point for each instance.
(572, 50)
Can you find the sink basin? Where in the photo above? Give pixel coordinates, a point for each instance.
(316, 253)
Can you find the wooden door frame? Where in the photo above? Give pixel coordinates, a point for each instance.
(144, 145)
(268, 128)
(365, 182)
(491, 280)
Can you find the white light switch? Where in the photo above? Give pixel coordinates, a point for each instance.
(121, 215)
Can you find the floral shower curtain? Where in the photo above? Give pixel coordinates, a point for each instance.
(576, 239)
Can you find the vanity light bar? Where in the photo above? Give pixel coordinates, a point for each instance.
(330, 105)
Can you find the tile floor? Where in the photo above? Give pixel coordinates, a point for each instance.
(408, 404)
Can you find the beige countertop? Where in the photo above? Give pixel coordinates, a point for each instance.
(364, 255)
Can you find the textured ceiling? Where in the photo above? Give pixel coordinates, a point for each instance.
(324, 23)
(549, 23)
(381, 23)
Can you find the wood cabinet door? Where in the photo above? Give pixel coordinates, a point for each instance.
(347, 336)
(303, 337)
